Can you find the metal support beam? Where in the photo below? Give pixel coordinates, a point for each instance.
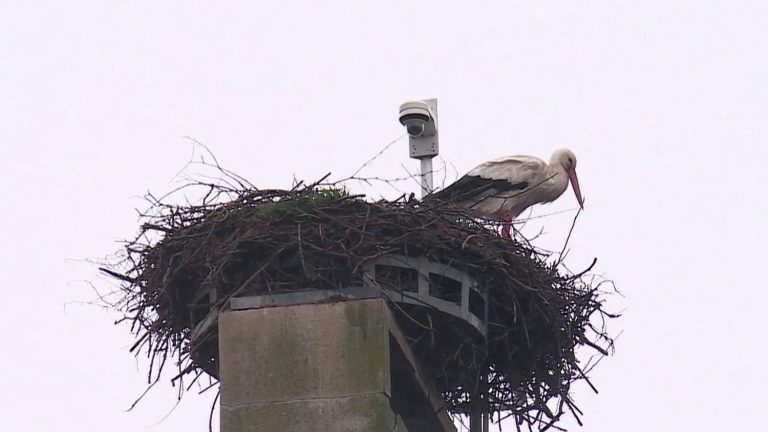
(427, 184)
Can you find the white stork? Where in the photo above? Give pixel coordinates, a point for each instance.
(502, 188)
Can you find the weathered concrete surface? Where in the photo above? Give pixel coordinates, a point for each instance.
(306, 367)
(357, 413)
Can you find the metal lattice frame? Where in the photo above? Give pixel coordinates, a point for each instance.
(423, 297)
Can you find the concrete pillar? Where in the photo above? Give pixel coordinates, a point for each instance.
(311, 367)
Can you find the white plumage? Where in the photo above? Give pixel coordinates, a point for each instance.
(503, 188)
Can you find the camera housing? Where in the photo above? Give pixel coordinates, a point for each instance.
(417, 119)
(420, 121)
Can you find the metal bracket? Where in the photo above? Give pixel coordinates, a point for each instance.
(427, 272)
(425, 269)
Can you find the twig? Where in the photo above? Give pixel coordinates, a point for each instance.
(570, 231)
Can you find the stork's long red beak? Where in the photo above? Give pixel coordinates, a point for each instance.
(575, 185)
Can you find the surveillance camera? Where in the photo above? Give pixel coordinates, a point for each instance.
(420, 121)
(417, 119)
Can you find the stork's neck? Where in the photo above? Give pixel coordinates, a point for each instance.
(556, 181)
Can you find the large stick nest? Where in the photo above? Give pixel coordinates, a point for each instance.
(243, 241)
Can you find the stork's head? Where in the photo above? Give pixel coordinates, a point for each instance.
(566, 159)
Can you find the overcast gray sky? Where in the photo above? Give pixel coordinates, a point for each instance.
(664, 103)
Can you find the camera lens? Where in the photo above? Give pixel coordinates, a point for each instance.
(414, 127)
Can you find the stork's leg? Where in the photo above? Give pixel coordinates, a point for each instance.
(506, 224)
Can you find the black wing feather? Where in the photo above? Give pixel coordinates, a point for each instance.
(475, 187)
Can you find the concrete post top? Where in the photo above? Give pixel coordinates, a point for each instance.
(341, 366)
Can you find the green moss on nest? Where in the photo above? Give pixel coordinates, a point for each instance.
(302, 202)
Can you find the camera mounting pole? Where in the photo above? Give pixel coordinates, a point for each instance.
(420, 121)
